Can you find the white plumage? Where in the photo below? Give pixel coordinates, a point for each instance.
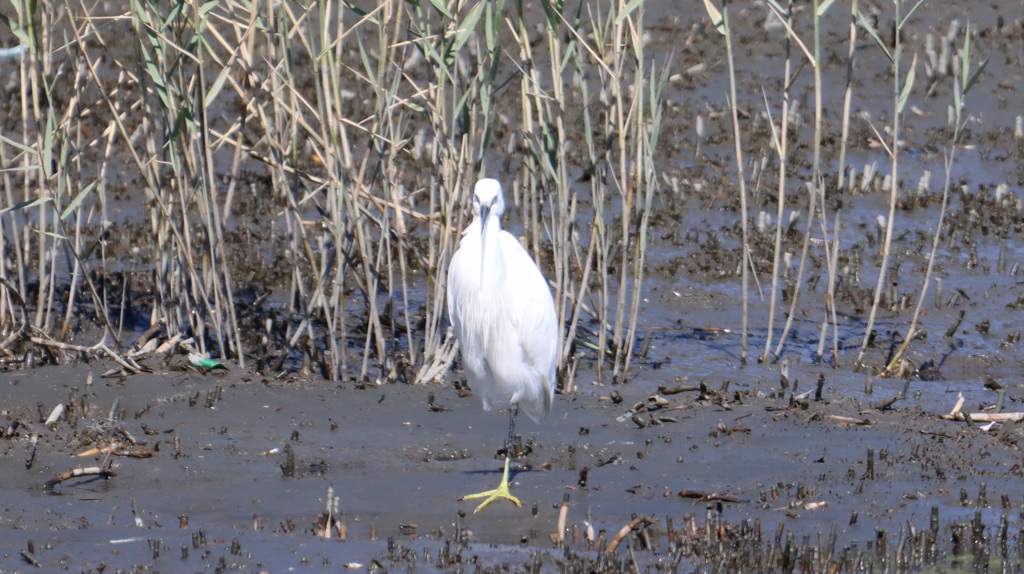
(503, 315)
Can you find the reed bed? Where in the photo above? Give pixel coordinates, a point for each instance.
(294, 176)
(356, 133)
(824, 198)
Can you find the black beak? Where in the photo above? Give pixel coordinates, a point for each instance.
(485, 210)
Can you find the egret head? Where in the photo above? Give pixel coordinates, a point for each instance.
(488, 200)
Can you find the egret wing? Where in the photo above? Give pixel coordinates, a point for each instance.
(463, 286)
(537, 323)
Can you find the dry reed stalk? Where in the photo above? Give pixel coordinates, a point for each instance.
(741, 179)
(818, 187)
(782, 149)
(960, 89)
(619, 174)
(901, 89)
(840, 185)
(811, 213)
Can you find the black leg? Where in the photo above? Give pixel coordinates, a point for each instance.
(510, 449)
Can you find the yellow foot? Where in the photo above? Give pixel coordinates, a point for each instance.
(490, 496)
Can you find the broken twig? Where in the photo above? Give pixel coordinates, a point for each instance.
(76, 472)
(635, 524)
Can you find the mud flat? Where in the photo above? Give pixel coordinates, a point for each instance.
(767, 479)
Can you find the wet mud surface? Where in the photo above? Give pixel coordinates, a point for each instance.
(213, 491)
(776, 476)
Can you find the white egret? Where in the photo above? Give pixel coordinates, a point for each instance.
(504, 318)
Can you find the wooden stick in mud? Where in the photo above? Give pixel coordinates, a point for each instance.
(97, 349)
(75, 472)
(851, 420)
(30, 558)
(119, 450)
(137, 514)
(55, 415)
(956, 409)
(663, 390)
(634, 524)
(709, 496)
(563, 513)
(987, 417)
(956, 415)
